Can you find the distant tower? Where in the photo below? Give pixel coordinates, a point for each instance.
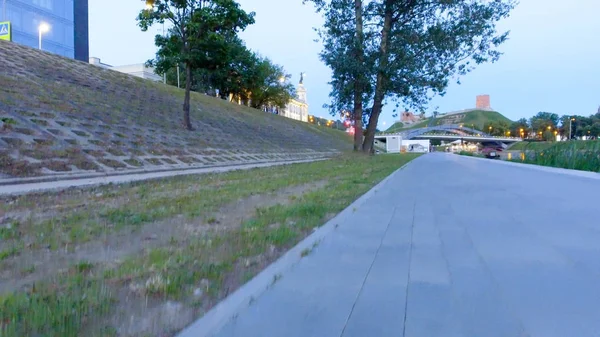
(301, 90)
(482, 102)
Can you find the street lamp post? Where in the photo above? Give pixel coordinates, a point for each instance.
(43, 28)
(571, 120)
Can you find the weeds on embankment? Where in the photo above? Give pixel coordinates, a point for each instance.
(574, 155)
(177, 245)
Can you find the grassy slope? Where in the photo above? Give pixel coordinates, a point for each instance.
(478, 118)
(61, 110)
(525, 145)
(86, 294)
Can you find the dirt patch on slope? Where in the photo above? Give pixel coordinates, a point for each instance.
(31, 266)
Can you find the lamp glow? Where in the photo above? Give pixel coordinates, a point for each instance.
(42, 28)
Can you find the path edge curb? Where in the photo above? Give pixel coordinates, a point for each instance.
(215, 319)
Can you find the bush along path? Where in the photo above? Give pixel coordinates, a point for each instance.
(149, 258)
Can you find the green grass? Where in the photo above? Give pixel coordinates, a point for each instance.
(526, 145)
(476, 119)
(54, 309)
(399, 127)
(575, 155)
(479, 118)
(147, 202)
(62, 305)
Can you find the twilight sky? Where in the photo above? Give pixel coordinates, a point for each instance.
(551, 62)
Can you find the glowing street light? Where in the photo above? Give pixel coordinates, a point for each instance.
(571, 120)
(149, 4)
(43, 28)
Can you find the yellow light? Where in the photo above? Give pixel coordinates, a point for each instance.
(149, 4)
(282, 79)
(44, 27)
(549, 127)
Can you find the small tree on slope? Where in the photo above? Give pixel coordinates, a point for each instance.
(200, 29)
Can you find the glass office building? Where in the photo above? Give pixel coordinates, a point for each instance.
(68, 20)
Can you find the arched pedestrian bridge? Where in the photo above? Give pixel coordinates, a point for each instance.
(449, 133)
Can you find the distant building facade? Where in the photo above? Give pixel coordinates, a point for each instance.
(297, 108)
(408, 118)
(482, 102)
(139, 70)
(68, 20)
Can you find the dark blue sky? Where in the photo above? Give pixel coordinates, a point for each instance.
(551, 62)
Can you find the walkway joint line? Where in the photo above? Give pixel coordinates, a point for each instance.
(410, 250)
(369, 271)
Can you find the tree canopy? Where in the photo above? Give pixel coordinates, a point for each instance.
(403, 52)
(199, 36)
(203, 39)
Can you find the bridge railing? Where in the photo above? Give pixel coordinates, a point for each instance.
(472, 136)
(409, 134)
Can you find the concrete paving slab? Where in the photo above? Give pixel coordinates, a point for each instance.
(449, 246)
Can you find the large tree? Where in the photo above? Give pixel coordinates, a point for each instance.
(544, 121)
(268, 85)
(345, 42)
(497, 128)
(520, 128)
(200, 32)
(406, 51)
(242, 74)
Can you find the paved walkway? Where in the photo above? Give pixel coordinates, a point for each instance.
(449, 247)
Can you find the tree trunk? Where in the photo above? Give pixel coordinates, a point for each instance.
(358, 83)
(381, 83)
(358, 111)
(186, 101)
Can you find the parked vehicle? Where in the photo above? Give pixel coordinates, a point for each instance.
(491, 153)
